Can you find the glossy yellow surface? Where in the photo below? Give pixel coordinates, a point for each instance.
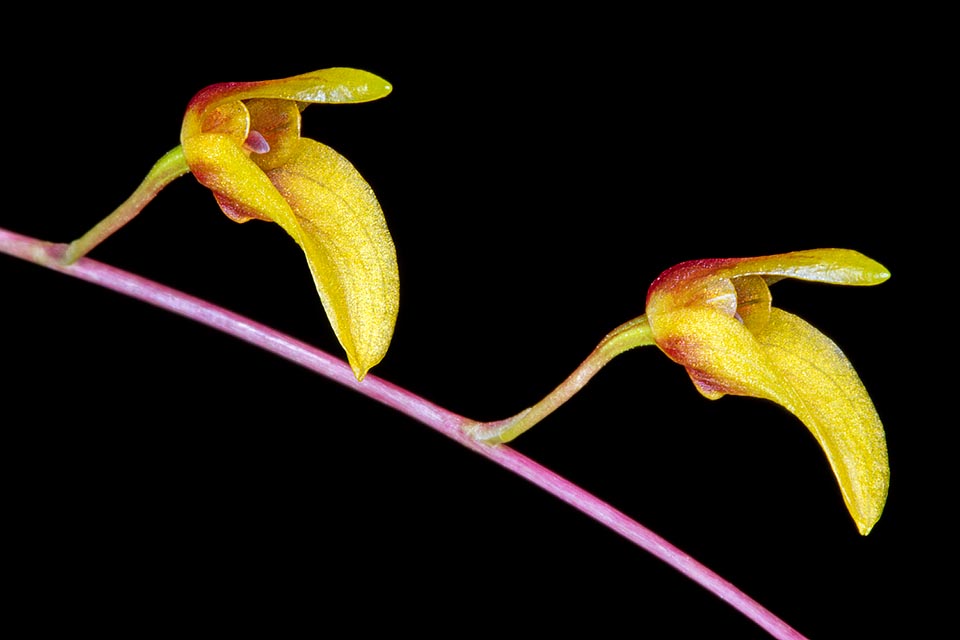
(715, 317)
(242, 141)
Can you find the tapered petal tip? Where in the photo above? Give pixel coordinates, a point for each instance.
(867, 270)
(359, 371)
(865, 527)
(831, 266)
(875, 495)
(870, 506)
(335, 85)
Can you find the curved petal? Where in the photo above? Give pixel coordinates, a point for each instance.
(230, 119)
(683, 283)
(833, 266)
(796, 366)
(241, 187)
(834, 405)
(719, 353)
(336, 85)
(344, 235)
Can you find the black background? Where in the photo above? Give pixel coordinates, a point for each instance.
(536, 177)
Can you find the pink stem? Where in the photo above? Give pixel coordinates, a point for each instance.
(446, 422)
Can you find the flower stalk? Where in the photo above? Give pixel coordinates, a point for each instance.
(167, 169)
(635, 333)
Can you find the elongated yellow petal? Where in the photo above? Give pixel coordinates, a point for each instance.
(336, 85)
(332, 86)
(796, 366)
(242, 188)
(834, 266)
(701, 281)
(341, 228)
(832, 402)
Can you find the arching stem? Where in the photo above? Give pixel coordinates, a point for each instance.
(635, 333)
(167, 169)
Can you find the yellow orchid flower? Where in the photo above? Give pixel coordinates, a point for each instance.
(242, 141)
(715, 318)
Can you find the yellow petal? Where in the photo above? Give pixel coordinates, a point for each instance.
(243, 190)
(337, 85)
(832, 402)
(796, 366)
(341, 228)
(834, 266)
(719, 352)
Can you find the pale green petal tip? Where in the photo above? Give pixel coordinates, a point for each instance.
(831, 266)
(337, 85)
(872, 271)
(845, 266)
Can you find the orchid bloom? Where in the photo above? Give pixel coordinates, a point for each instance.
(242, 141)
(715, 318)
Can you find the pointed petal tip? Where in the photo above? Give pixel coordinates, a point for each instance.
(833, 266)
(359, 372)
(361, 363)
(867, 516)
(855, 268)
(873, 271)
(866, 522)
(352, 85)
